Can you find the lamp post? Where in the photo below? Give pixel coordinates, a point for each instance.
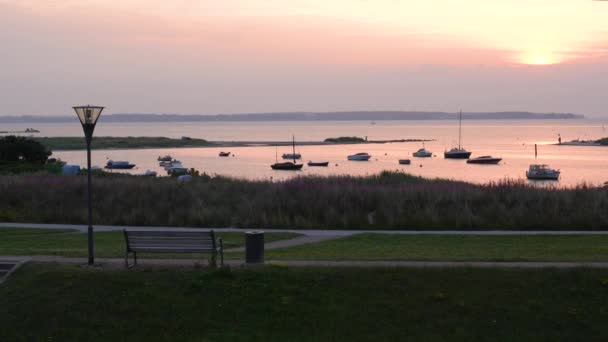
(88, 116)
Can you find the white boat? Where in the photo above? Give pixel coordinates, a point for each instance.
(177, 170)
(362, 156)
(542, 172)
(175, 163)
(422, 153)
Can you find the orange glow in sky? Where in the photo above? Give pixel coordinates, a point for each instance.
(380, 31)
(195, 56)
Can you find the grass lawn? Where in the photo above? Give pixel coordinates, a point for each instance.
(68, 303)
(17, 241)
(450, 247)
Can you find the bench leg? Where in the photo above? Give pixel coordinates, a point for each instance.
(213, 261)
(127, 265)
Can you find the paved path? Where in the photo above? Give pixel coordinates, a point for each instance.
(302, 240)
(188, 263)
(319, 232)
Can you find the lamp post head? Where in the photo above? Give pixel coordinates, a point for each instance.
(88, 116)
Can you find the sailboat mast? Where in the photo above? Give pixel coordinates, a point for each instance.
(294, 148)
(459, 129)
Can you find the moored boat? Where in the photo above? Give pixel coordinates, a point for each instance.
(362, 156)
(286, 166)
(290, 166)
(224, 154)
(458, 152)
(149, 173)
(542, 172)
(291, 156)
(423, 153)
(164, 158)
(484, 160)
(119, 165)
(405, 161)
(311, 163)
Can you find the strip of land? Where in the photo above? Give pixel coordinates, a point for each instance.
(116, 143)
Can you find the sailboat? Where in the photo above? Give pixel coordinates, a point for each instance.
(287, 165)
(458, 152)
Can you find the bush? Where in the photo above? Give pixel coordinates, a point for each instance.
(15, 149)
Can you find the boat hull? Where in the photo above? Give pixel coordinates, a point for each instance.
(485, 161)
(318, 164)
(291, 156)
(286, 166)
(457, 155)
(422, 155)
(404, 161)
(553, 177)
(120, 167)
(358, 158)
(224, 154)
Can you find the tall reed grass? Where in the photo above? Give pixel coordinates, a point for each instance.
(386, 201)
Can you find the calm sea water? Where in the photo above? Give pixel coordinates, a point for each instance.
(512, 140)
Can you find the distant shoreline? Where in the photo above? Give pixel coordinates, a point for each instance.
(129, 143)
(371, 116)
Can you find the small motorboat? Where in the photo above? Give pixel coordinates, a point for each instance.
(542, 172)
(311, 163)
(175, 163)
(166, 158)
(405, 161)
(224, 154)
(484, 160)
(362, 156)
(121, 165)
(291, 156)
(423, 153)
(286, 166)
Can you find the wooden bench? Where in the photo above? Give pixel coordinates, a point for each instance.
(172, 241)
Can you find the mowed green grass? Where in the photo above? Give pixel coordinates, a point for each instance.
(68, 303)
(18, 241)
(452, 247)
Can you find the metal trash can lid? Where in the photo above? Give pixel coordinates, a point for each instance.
(254, 232)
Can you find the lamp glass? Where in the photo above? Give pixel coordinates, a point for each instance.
(88, 114)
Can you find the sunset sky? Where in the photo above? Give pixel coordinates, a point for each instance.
(235, 56)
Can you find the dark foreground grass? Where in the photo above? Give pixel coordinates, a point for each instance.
(453, 248)
(18, 241)
(99, 143)
(42, 302)
(385, 201)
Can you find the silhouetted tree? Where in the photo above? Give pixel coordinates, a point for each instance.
(21, 149)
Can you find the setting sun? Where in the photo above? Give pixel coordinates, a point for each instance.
(539, 58)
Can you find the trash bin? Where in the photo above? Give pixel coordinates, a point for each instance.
(254, 247)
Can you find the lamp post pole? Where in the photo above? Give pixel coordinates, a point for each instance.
(88, 116)
(91, 247)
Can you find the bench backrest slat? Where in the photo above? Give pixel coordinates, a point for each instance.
(170, 241)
